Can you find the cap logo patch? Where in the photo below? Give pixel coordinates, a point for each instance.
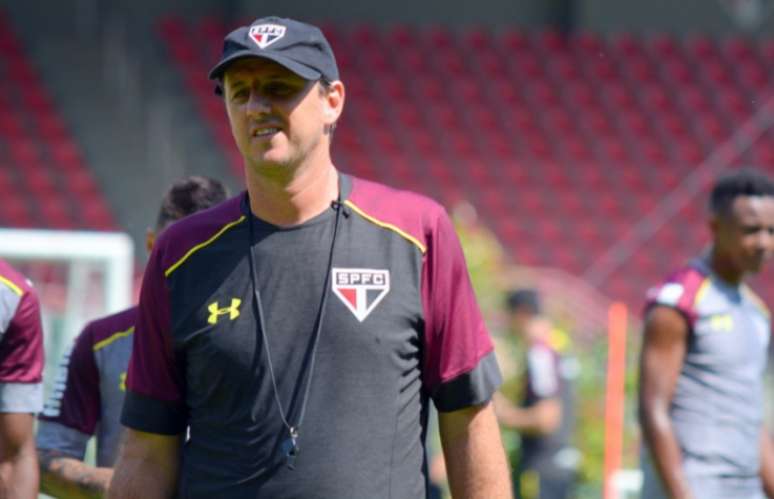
(360, 290)
(265, 34)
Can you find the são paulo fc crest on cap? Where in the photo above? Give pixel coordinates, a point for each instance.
(265, 34)
(360, 290)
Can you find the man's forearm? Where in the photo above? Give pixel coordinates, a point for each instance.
(67, 478)
(147, 467)
(665, 454)
(19, 476)
(767, 463)
(134, 479)
(475, 458)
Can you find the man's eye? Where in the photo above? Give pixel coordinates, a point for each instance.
(278, 89)
(240, 94)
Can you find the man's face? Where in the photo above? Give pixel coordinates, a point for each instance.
(277, 118)
(746, 234)
(519, 318)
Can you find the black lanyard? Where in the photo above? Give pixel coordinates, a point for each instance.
(289, 446)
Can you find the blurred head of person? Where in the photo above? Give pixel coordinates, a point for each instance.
(524, 315)
(185, 197)
(742, 223)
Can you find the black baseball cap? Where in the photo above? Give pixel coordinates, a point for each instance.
(300, 47)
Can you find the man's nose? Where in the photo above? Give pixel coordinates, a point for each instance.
(258, 104)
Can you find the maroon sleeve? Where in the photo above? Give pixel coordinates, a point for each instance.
(680, 291)
(75, 400)
(155, 394)
(21, 348)
(459, 367)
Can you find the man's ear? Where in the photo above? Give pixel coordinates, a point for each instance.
(334, 102)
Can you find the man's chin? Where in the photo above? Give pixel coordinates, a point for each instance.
(756, 266)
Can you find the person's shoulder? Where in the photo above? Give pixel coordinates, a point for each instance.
(13, 281)
(757, 301)
(408, 212)
(105, 330)
(186, 236)
(682, 289)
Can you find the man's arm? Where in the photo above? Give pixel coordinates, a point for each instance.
(475, 458)
(663, 351)
(541, 419)
(18, 466)
(65, 477)
(767, 463)
(147, 467)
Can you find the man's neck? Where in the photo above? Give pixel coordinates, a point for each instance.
(723, 268)
(287, 200)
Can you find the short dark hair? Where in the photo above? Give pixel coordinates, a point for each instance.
(189, 195)
(523, 299)
(743, 182)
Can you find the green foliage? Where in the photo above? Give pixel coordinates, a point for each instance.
(487, 266)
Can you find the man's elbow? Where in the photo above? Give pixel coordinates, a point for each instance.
(653, 416)
(549, 424)
(548, 417)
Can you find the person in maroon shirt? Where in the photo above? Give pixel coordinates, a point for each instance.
(21, 390)
(90, 389)
(300, 329)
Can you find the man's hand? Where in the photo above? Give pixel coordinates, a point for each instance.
(65, 477)
(475, 458)
(18, 463)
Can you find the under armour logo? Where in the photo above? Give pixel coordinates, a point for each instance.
(122, 382)
(215, 311)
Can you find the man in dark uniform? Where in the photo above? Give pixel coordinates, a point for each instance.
(21, 389)
(704, 355)
(545, 416)
(300, 328)
(89, 391)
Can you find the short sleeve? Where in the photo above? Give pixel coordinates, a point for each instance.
(543, 372)
(9, 302)
(154, 400)
(459, 365)
(21, 353)
(681, 291)
(75, 400)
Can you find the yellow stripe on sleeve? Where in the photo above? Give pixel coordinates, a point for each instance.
(16, 289)
(701, 293)
(113, 337)
(387, 226)
(202, 245)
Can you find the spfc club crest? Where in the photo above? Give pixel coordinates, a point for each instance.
(265, 34)
(361, 290)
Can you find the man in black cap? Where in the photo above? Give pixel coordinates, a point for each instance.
(300, 328)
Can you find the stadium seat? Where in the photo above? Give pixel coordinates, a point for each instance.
(36, 145)
(534, 124)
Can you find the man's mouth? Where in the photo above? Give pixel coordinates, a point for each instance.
(265, 131)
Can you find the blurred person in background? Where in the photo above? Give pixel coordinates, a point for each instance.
(547, 462)
(89, 391)
(21, 389)
(704, 355)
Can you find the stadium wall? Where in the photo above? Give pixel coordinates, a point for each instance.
(682, 17)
